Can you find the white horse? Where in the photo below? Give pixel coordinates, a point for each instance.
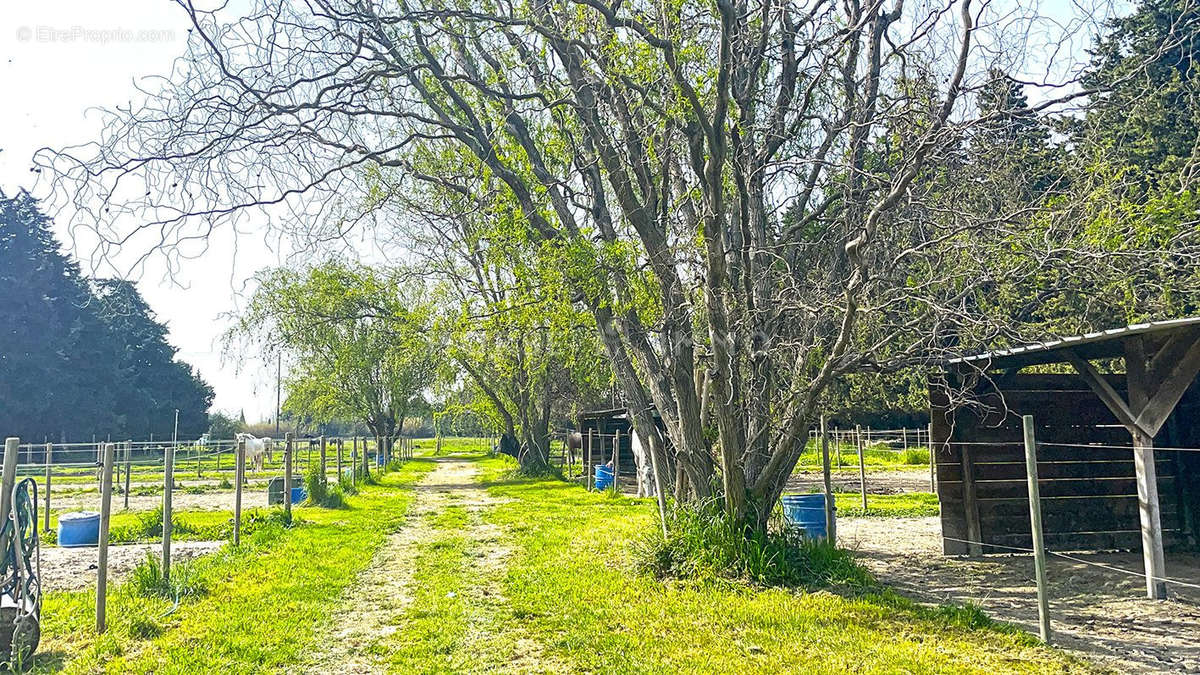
(256, 449)
(645, 470)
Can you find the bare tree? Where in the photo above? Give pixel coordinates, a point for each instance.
(750, 196)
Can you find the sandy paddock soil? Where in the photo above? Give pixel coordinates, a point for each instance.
(1104, 615)
(885, 482)
(253, 495)
(70, 569)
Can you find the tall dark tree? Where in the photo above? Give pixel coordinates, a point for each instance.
(1014, 140)
(152, 383)
(1147, 114)
(74, 363)
(56, 361)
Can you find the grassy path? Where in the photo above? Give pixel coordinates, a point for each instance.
(514, 575)
(379, 625)
(451, 565)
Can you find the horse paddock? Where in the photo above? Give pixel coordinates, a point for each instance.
(1095, 610)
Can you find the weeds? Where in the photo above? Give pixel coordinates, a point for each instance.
(149, 526)
(147, 580)
(320, 493)
(315, 484)
(704, 544)
(335, 498)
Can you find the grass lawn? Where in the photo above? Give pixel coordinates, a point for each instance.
(262, 604)
(907, 505)
(515, 575)
(572, 602)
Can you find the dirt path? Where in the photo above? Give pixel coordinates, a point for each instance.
(1100, 613)
(374, 607)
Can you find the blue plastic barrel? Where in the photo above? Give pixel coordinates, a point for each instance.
(298, 495)
(604, 477)
(80, 528)
(805, 512)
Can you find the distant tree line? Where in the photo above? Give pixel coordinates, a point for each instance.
(82, 357)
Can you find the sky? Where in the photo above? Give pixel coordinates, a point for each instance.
(60, 58)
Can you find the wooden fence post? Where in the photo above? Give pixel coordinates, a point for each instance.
(287, 477)
(932, 461)
(323, 477)
(837, 445)
(106, 478)
(8, 480)
(1035, 523)
(339, 460)
(830, 506)
(128, 460)
(587, 459)
(239, 472)
(354, 460)
(49, 461)
(862, 466)
(617, 461)
(168, 490)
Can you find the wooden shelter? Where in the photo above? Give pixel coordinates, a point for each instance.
(1103, 485)
(601, 430)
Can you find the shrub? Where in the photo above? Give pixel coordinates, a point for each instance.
(315, 484)
(320, 493)
(915, 456)
(225, 484)
(334, 498)
(347, 485)
(702, 543)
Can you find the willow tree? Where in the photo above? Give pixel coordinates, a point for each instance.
(359, 343)
(526, 354)
(731, 186)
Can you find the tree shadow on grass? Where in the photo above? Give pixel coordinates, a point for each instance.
(52, 661)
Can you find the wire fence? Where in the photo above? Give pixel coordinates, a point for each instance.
(874, 473)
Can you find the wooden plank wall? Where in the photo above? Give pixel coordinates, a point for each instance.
(1089, 495)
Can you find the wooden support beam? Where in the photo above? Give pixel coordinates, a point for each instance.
(1148, 515)
(1140, 394)
(1172, 352)
(970, 504)
(1163, 392)
(1111, 398)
